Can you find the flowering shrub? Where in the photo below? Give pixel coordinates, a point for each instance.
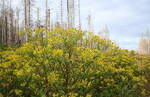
(70, 63)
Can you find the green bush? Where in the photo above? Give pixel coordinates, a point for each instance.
(70, 63)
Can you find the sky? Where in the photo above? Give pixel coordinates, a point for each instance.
(125, 19)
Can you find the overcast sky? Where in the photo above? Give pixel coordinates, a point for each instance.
(125, 19)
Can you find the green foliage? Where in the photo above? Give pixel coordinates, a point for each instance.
(145, 65)
(69, 63)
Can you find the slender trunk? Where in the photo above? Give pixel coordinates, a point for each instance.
(29, 14)
(46, 10)
(26, 10)
(38, 18)
(25, 14)
(17, 25)
(61, 20)
(49, 19)
(3, 21)
(6, 31)
(79, 15)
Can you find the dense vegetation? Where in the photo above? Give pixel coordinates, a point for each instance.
(72, 63)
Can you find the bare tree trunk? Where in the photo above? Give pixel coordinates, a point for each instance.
(18, 25)
(25, 19)
(25, 14)
(46, 13)
(70, 13)
(3, 21)
(28, 18)
(144, 44)
(6, 31)
(38, 17)
(90, 26)
(29, 14)
(61, 17)
(13, 27)
(49, 19)
(79, 15)
(0, 31)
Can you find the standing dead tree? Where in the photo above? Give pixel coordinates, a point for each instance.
(70, 13)
(10, 20)
(3, 21)
(27, 16)
(7, 27)
(144, 44)
(79, 15)
(49, 19)
(38, 18)
(90, 26)
(17, 25)
(61, 17)
(11, 24)
(104, 33)
(25, 19)
(46, 14)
